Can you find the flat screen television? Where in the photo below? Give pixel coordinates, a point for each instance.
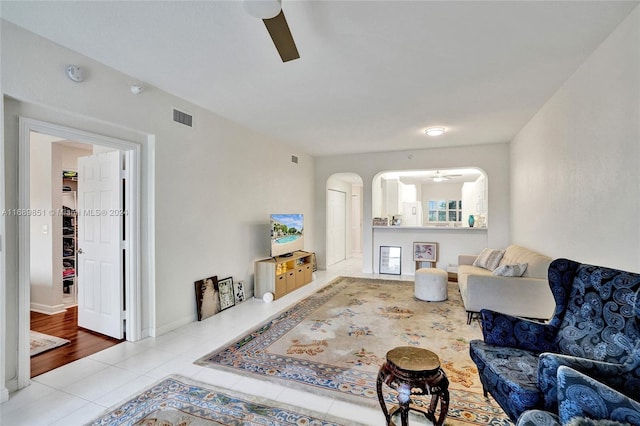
(287, 234)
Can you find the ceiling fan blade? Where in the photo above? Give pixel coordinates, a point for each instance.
(281, 36)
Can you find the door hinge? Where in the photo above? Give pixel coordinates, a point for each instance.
(124, 174)
(124, 245)
(123, 315)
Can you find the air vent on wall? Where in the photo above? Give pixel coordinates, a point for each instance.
(294, 159)
(182, 118)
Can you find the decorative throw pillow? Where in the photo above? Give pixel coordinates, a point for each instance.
(489, 259)
(511, 270)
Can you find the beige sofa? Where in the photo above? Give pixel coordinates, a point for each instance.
(527, 296)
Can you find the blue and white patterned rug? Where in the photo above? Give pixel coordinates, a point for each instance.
(334, 341)
(179, 401)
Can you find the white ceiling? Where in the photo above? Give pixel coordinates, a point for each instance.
(372, 74)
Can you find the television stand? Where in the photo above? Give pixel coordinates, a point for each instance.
(281, 275)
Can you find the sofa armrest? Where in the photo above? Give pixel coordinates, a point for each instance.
(621, 377)
(466, 259)
(507, 330)
(582, 396)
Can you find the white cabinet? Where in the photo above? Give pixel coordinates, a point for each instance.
(474, 201)
(395, 194)
(391, 196)
(412, 213)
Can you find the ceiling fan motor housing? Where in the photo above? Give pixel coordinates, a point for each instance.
(262, 9)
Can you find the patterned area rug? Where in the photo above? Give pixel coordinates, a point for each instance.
(334, 341)
(40, 342)
(179, 401)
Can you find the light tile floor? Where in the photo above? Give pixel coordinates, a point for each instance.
(78, 392)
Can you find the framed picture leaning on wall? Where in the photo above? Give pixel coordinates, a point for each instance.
(227, 299)
(425, 252)
(390, 260)
(238, 291)
(207, 300)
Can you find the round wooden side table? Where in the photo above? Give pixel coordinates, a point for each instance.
(414, 371)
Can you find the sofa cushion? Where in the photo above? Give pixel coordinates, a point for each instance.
(537, 264)
(509, 374)
(515, 270)
(489, 259)
(472, 270)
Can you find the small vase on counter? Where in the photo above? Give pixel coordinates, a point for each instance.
(471, 221)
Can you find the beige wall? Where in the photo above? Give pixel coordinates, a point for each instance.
(206, 208)
(575, 189)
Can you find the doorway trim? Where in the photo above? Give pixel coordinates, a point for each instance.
(133, 303)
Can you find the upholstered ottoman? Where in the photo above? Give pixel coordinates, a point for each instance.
(431, 284)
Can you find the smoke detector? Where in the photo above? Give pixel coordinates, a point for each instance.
(75, 73)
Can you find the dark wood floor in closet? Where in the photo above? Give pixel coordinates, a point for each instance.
(64, 325)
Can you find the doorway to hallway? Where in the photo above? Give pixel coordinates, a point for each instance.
(125, 276)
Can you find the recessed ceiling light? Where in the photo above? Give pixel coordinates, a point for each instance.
(434, 131)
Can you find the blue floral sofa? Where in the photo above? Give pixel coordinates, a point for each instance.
(595, 329)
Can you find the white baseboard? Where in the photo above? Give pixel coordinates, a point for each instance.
(159, 331)
(47, 309)
(10, 386)
(147, 332)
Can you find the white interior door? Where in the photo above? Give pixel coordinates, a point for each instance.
(100, 278)
(336, 226)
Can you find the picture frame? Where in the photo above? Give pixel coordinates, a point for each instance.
(227, 299)
(425, 252)
(390, 261)
(380, 221)
(238, 292)
(207, 300)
